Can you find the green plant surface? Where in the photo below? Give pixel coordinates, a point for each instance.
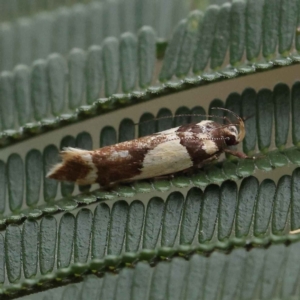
(32, 29)
(230, 228)
(240, 274)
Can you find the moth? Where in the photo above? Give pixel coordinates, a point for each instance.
(167, 152)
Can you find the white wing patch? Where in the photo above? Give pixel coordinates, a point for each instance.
(210, 147)
(119, 154)
(166, 158)
(208, 144)
(92, 175)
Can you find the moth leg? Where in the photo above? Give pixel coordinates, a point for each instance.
(237, 153)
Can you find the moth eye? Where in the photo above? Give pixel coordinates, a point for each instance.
(231, 140)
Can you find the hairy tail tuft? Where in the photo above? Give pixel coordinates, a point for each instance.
(77, 166)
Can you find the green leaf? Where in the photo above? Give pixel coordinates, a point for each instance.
(111, 65)
(271, 17)
(128, 56)
(288, 19)
(238, 31)
(30, 236)
(6, 96)
(172, 53)
(39, 89)
(22, 90)
(33, 167)
(264, 114)
(57, 81)
(189, 42)
(264, 206)
(146, 55)
(15, 181)
(205, 38)
(221, 39)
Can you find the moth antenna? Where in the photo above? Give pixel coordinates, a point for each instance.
(240, 120)
(226, 119)
(183, 115)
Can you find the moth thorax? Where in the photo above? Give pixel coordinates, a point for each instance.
(231, 135)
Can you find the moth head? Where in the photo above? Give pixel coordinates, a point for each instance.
(233, 136)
